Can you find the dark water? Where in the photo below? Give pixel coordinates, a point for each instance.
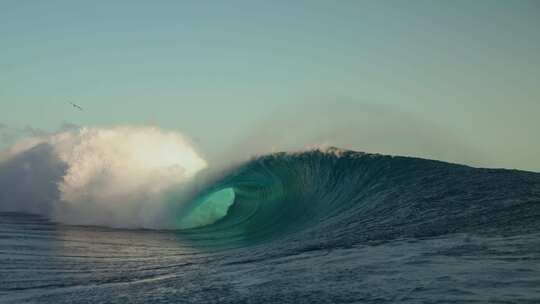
(314, 227)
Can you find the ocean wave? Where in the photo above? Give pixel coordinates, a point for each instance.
(129, 177)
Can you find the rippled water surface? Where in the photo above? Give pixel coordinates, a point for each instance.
(314, 227)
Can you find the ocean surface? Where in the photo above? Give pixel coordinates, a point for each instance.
(329, 226)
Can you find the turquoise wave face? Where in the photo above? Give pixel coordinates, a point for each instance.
(338, 198)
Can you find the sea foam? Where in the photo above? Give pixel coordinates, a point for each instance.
(117, 177)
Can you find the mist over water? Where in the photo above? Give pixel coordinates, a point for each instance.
(354, 125)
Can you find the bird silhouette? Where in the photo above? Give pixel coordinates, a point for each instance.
(75, 106)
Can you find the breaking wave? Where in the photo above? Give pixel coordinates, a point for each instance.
(114, 177)
(148, 178)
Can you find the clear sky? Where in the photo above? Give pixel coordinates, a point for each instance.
(215, 69)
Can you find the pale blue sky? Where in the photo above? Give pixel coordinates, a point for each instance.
(215, 69)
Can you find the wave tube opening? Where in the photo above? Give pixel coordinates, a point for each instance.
(207, 209)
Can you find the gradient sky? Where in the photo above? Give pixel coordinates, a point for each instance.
(215, 69)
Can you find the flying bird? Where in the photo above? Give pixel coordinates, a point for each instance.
(76, 106)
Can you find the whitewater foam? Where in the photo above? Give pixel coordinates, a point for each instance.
(117, 177)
